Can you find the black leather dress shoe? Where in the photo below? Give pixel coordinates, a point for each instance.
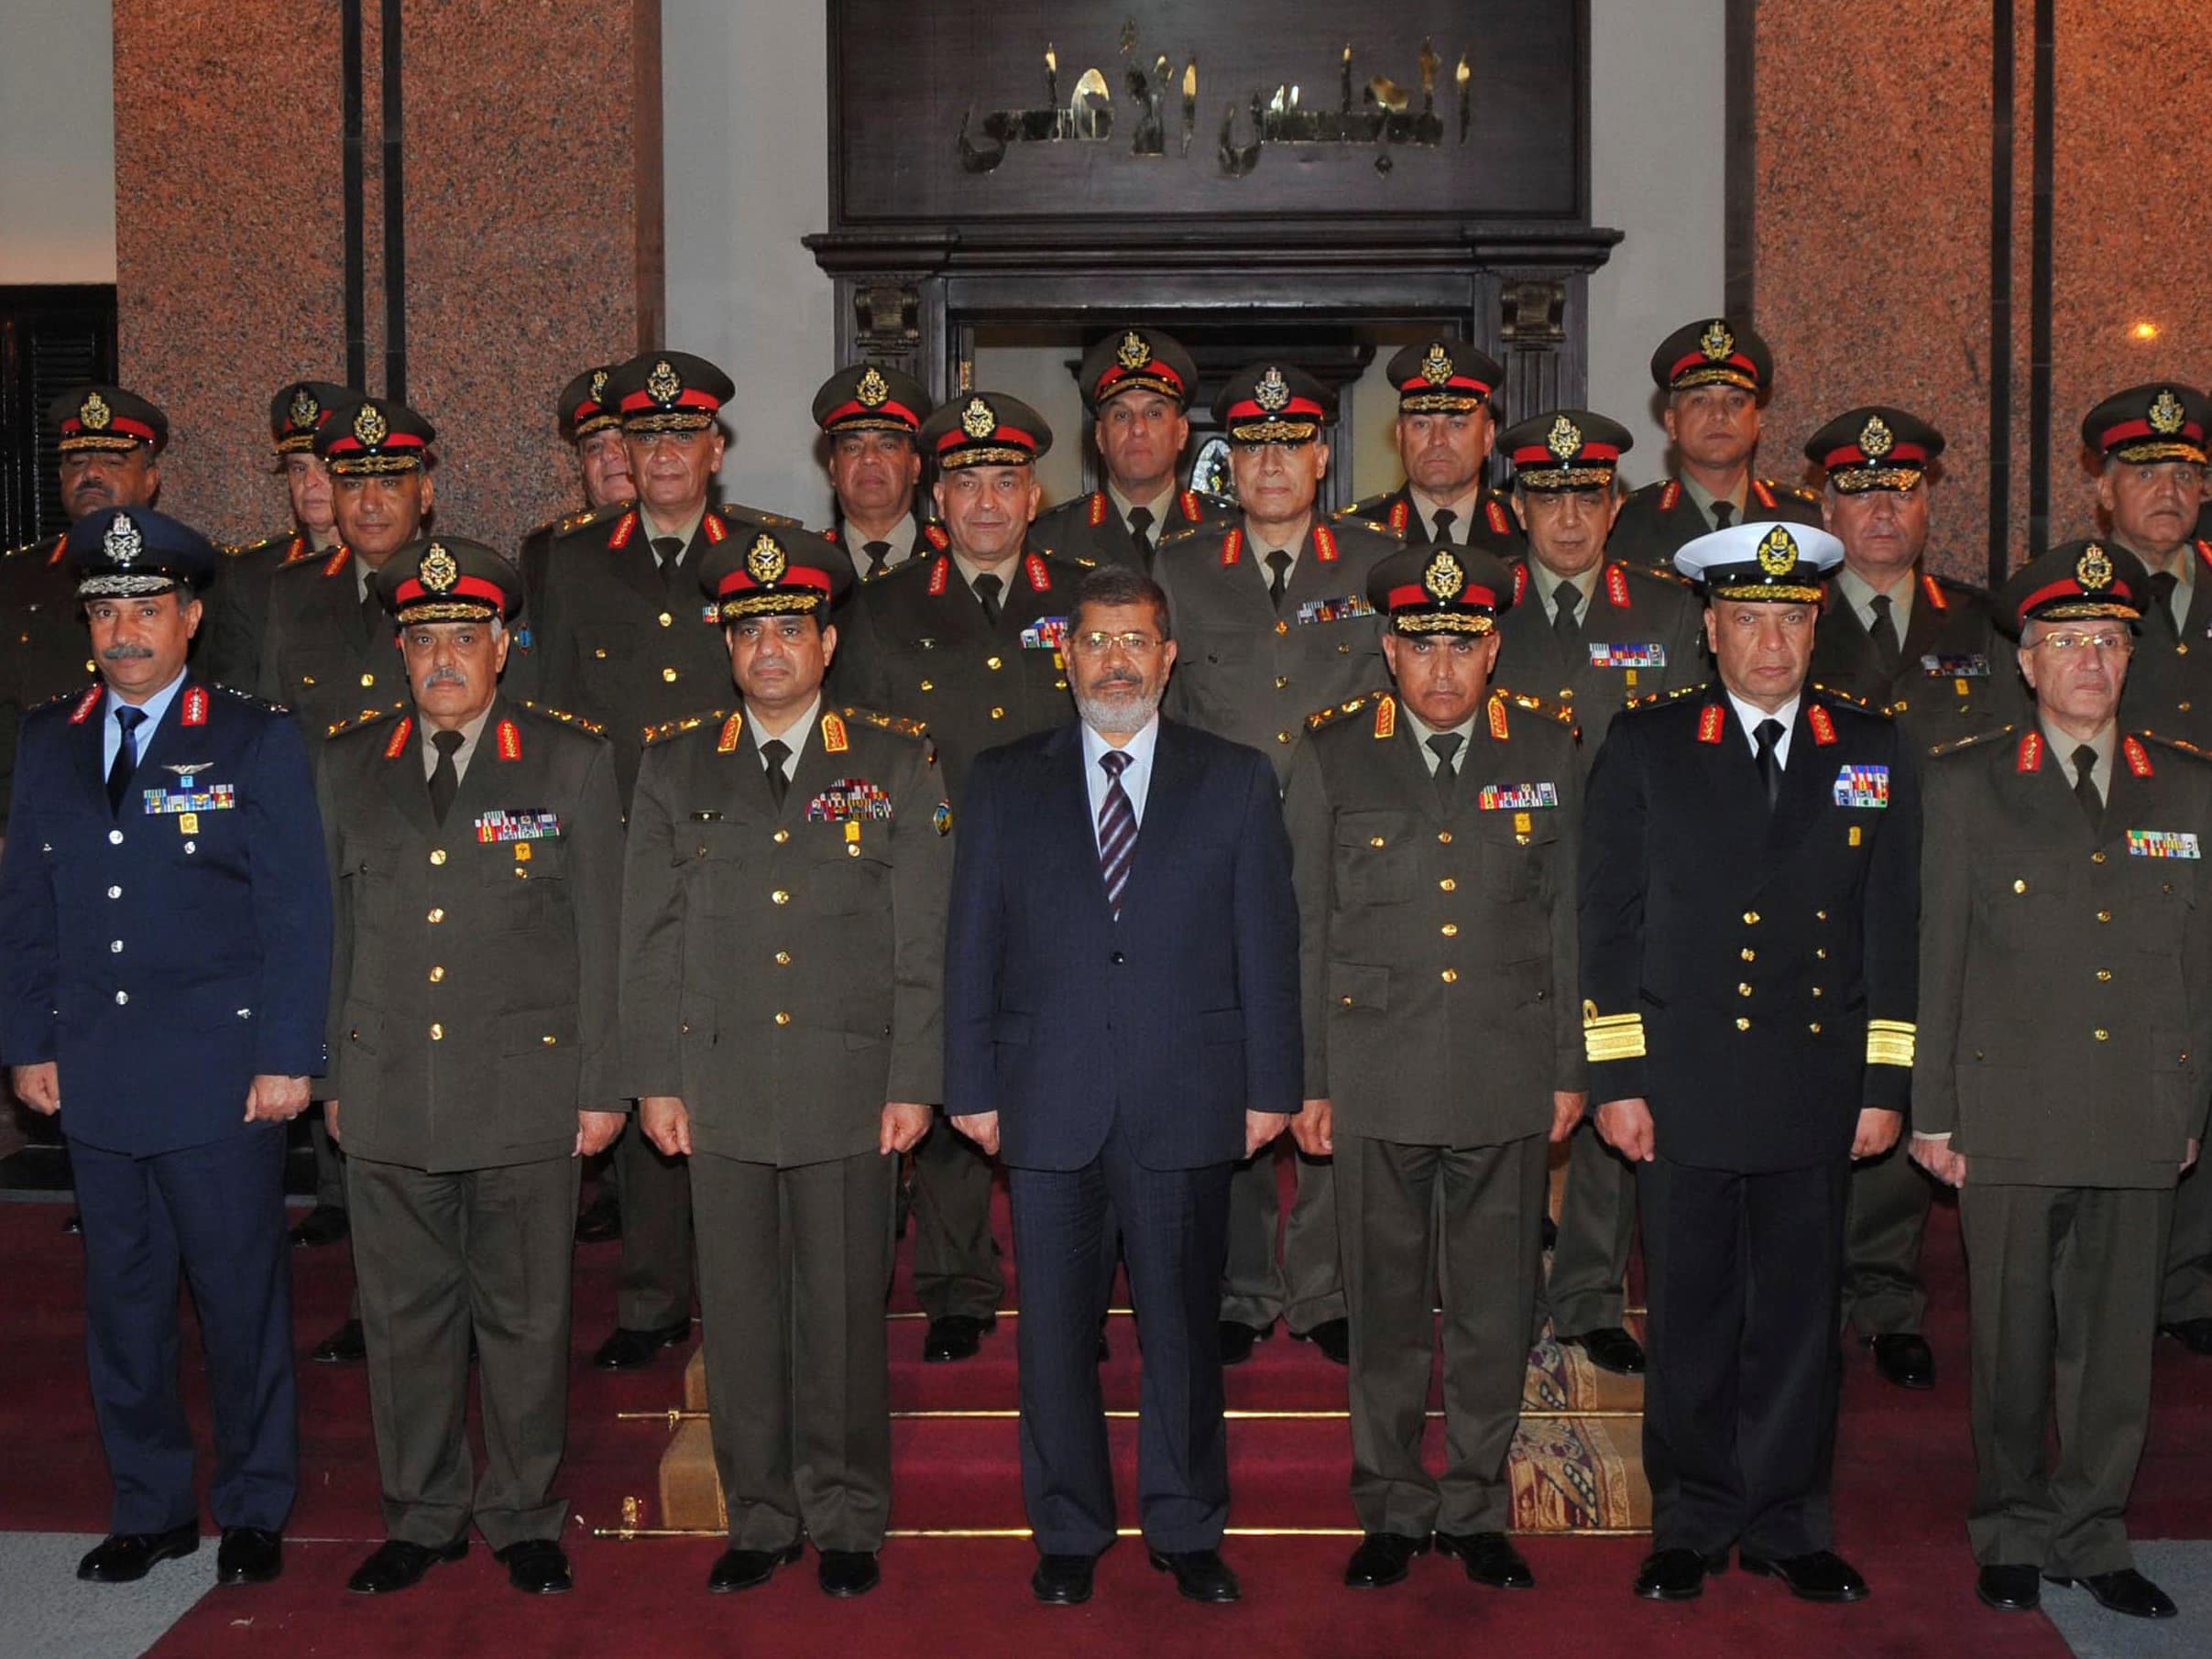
(1063, 1581)
(1677, 1575)
(537, 1567)
(396, 1565)
(628, 1350)
(1199, 1575)
(847, 1573)
(1821, 1575)
(249, 1554)
(601, 1220)
(749, 1569)
(1906, 1360)
(1238, 1339)
(2008, 1590)
(1332, 1336)
(2196, 1335)
(1611, 1348)
(955, 1337)
(325, 1224)
(1382, 1558)
(1489, 1557)
(345, 1346)
(2126, 1591)
(126, 1557)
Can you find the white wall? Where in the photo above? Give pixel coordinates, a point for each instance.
(1657, 132)
(57, 142)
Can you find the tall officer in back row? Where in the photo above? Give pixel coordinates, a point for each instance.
(871, 420)
(783, 959)
(1750, 880)
(1714, 375)
(2065, 1025)
(594, 430)
(1273, 621)
(970, 643)
(476, 849)
(1592, 633)
(1433, 841)
(164, 952)
(1447, 421)
(1137, 383)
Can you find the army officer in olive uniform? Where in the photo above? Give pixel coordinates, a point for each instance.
(1433, 834)
(1447, 421)
(871, 422)
(784, 958)
(2066, 1028)
(476, 848)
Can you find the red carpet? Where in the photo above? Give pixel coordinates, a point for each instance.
(1902, 1478)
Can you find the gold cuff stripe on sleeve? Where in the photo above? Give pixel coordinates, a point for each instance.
(1890, 1042)
(1613, 1037)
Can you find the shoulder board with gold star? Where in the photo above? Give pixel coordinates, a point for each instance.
(758, 515)
(1665, 575)
(1654, 699)
(1796, 491)
(1958, 744)
(363, 721)
(1371, 509)
(2179, 745)
(1847, 700)
(1540, 707)
(1337, 711)
(689, 723)
(590, 515)
(888, 723)
(233, 549)
(565, 719)
(72, 694)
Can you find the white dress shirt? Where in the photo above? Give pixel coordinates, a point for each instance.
(1750, 717)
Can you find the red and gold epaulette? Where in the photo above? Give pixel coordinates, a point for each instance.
(1670, 495)
(1386, 717)
(510, 740)
(2139, 758)
(337, 561)
(86, 705)
(1520, 583)
(1499, 524)
(397, 745)
(1499, 728)
(60, 547)
(1401, 515)
(195, 706)
(940, 575)
(2030, 756)
(935, 535)
(1194, 510)
(1232, 545)
(2204, 552)
(300, 550)
(834, 740)
(1617, 587)
(1764, 495)
(1711, 722)
(625, 528)
(1040, 577)
(1097, 508)
(1934, 590)
(715, 530)
(732, 729)
(1824, 728)
(1324, 544)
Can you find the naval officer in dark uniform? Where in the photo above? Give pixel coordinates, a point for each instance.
(783, 960)
(1750, 872)
(476, 849)
(1447, 422)
(164, 952)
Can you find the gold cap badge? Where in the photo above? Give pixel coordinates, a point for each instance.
(873, 388)
(1716, 341)
(1565, 440)
(2093, 569)
(305, 408)
(977, 421)
(438, 571)
(1436, 367)
(1273, 393)
(598, 385)
(1444, 578)
(122, 544)
(1133, 353)
(662, 385)
(2165, 413)
(765, 560)
(1874, 439)
(94, 413)
(369, 425)
(1778, 553)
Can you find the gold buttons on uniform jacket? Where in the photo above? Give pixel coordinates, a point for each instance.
(436, 915)
(437, 973)
(1375, 841)
(1281, 681)
(1743, 990)
(993, 663)
(1748, 955)
(2104, 976)
(1444, 837)
(1822, 914)
(1750, 918)
(1451, 976)
(600, 655)
(2104, 915)
(437, 1032)
(666, 620)
(437, 855)
(669, 674)
(549, 1039)
(781, 836)
(929, 685)
(1282, 628)
(1814, 1028)
(2103, 1036)
(779, 897)
(1451, 930)
(782, 1017)
(997, 714)
(1742, 1024)
(1448, 885)
(2097, 857)
(1281, 736)
(783, 959)
(2019, 886)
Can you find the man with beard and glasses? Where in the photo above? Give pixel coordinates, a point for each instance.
(1122, 1027)
(871, 420)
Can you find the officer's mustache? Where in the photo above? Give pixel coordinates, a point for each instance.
(124, 651)
(445, 676)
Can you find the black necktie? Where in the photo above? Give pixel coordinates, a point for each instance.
(1117, 831)
(2085, 784)
(669, 550)
(1770, 734)
(1444, 516)
(1564, 623)
(2163, 583)
(1279, 563)
(373, 621)
(879, 555)
(445, 778)
(1722, 512)
(1887, 646)
(1445, 745)
(1140, 535)
(127, 756)
(987, 590)
(773, 753)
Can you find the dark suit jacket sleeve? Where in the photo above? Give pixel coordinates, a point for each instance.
(1891, 920)
(1267, 924)
(289, 881)
(1310, 821)
(595, 850)
(653, 938)
(333, 1086)
(974, 936)
(921, 883)
(1612, 915)
(1572, 1073)
(1946, 921)
(30, 945)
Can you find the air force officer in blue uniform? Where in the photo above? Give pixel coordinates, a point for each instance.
(164, 959)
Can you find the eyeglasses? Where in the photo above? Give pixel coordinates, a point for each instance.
(2103, 645)
(1097, 642)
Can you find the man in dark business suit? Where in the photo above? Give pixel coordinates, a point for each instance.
(1122, 1027)
(164, 952)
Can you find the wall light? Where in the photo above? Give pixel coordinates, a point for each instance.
(2142, 330)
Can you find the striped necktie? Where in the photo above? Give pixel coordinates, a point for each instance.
(1117, 831)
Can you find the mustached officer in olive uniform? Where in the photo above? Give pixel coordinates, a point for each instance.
(1591, 632)
(476, 845)
(1137, 383)
(1750, 878)
(1447, 421)
(2062, 1077)
(784, 958)
(871, 419)
(1433, 836)
(969, 643)
(1274, 620)
(1716, 373)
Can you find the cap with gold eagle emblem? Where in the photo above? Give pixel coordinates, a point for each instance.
(1875, 447)
(985, 428)
(1442, 590)
(868, 398)
(1565, 449)
(369, 435)
(1134, 359)
(666, 392)
(581, 408)
(134, 553)
(2075, 581)
(763, 574)
(1274, 402)
(1764, 560)
(447, 579)
(1713, 351)
(100, 416)
(1444, 377)
(298, 409)
(2164, 421)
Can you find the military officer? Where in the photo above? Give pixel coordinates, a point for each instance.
(1714, 375)
(1137, 383)
(476, 848)
(1274, 620)
(783, 947)
(1592, 633)
(238, 612)
(164, 952)
(2152, 444)
(873, 419)
(1447, 421)
(971, 644)
(1750, 869)
(2060, 1079)
(593, 431)
(1433, 836)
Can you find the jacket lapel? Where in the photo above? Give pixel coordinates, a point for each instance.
(1732, 783)
(409, 785)
(1066, 793)
(1166, 798)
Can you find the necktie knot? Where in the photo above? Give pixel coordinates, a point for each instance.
(879, 555)
(1768, 733)
(2084, 763)
(773, 753)
(445, 776)
(1115, 761)
(1445, 746)
(127, 721)
(2085, 783)
(1279, 563)
(1724, 513)
(1443, 522)
(130, 719)
(987, 587)
(667, 548)
(447, 743)
(1140, 520)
